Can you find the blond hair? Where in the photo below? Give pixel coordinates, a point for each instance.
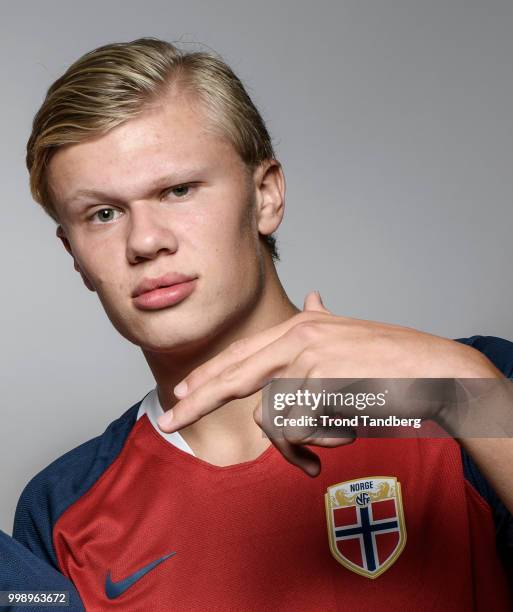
(113, 83)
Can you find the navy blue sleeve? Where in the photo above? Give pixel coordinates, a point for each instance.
(20, 570)
(62, 483)
(500, 352)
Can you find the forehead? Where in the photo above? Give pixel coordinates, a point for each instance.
(169, 137)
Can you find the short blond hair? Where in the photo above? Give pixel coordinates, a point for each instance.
(113, 83)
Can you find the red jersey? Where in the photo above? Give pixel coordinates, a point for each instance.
(139, 524)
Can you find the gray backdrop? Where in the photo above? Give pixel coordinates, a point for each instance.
(393, 120)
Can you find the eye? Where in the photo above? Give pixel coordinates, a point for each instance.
(180, 191)
(104, 215)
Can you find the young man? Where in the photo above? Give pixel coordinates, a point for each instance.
(161, 176)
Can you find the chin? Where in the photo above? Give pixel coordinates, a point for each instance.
(175, 330)
(173, 346)
(170, 337)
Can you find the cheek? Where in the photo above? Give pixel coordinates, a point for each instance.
(226, 253)
(102, 266)
(224, 229)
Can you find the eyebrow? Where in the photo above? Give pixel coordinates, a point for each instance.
(160, 183)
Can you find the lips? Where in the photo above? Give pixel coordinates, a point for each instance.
(162, 292)
(149, 284)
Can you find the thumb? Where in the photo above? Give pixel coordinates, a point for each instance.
(313, 302)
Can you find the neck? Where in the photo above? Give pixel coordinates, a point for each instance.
(228, 434)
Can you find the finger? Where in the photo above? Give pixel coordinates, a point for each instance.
(240, 379)
(311, 433)
(234, 353)
(317, 439)
(313, 302)
(297, 455)
(332, 442)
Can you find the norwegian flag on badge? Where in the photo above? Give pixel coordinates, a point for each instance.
(366, 523)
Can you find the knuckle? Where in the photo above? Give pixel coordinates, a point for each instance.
(198, 372)
(195, 378)
(315, 371)
(304, 317)
(238, 347)
(230, 374)
(306, 330)
(308, 358)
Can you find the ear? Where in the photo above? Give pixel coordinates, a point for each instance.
(270, 195)
(60, 233)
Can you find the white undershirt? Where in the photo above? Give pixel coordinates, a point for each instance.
(151, 406)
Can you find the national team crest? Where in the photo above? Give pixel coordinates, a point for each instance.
(366, 523)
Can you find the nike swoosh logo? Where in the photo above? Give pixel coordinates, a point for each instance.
(115, 589)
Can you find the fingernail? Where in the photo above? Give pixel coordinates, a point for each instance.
(313, 468)
(181, 389)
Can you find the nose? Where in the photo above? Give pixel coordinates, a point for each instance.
(150, 233)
